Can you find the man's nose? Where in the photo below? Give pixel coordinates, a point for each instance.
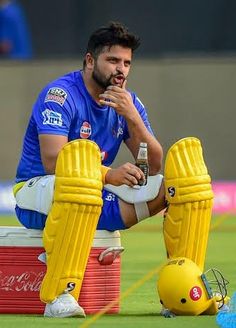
(120, 68)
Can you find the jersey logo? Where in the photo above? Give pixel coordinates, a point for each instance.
(118, 130)
(85, 130)
(104, 155)
(117, 133)
(52, 118)
(56, 95)
(110, 197)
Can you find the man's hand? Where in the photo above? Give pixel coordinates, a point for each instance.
(128, 174)
(120, 99)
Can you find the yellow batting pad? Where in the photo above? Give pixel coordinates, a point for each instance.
(73, 218)
(190, 198)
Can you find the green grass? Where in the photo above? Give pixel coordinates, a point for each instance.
(144, 250)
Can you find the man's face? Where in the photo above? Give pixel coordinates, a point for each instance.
(112, 66)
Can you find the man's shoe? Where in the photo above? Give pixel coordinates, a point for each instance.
(64, 306)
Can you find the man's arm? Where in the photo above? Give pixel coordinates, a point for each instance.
(120, 99)
(50, 146)
(139, 133)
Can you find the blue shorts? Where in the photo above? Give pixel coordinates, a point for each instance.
(110, 218)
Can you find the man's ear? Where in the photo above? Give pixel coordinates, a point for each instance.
(89, 61)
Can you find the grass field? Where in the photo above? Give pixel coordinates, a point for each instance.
(144, 251)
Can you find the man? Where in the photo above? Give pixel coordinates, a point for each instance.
(63, 189)
(92, 104)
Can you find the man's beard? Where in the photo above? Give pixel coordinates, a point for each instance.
(100, 79)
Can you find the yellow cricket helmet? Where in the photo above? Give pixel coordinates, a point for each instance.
(184, 290)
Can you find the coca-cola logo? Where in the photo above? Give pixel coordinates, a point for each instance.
(27, 281)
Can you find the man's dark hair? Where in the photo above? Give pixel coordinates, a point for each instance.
(113, 34)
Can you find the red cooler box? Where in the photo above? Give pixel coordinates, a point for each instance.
(22, 271)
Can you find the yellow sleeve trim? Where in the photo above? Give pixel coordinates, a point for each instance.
(104, 169)
(17, 187)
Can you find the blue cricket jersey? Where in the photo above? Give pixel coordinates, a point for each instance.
(64, 107)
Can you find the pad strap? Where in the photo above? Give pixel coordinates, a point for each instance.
(142, 211)
(138, 194)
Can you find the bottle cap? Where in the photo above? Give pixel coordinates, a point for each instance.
(143, 144)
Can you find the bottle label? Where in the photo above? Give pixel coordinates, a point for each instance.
(142, 153)
(143, 167)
